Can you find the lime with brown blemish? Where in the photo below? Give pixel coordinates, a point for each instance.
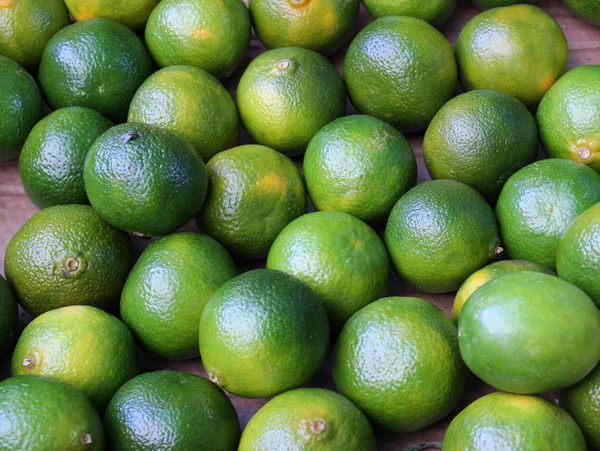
(436, 12)
(254, 192)
(500, 49)
(81, 345)
(67, 255)
(132, 13)
(569, 117)
(9, 316)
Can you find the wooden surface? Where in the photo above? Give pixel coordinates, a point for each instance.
(15, 209)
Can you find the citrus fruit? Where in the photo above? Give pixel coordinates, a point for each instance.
(569, 117)
(435, 12)
(400, 70)
(340, 257)
(488, 4)
(26, 26)
(262, 333)
(480, 138)
(439, 233)
(359, 165)
(398, 361)
(190, 103)
(66, 255)
(210, 35)
(171, 410)
(82, 345)
(588, 10)
(51, 161)
(144, 180)
(21, 107)
(507, 421)
(8, 316)
(320, 25)
(287, 95)
(45, 414)
(168, 288)
(583, 403)
(254, 192)
(96, 63)
(539, 202)
(487, 273)
(528, 332)
(132, 14)
(501, 49)
(578, 254)
(308, 419)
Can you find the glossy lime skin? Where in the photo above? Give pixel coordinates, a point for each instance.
(569, 117)
(144, 180)
(578, 254)
(45, 414)
(439, 233)
(340, 257)
(9, 316)
(168, 288)
(263, 333)
(170, 410)
(588, 10)
(190, 103)
(505, 421)
(400, 70)
(51, 161)
(81, 345)
(436, 12)
(26, 26)
(538, 203)
(210, 35)
(398, 361)
(132, 13)
(528, 332)
(320, 25)
(488, 4)
(500, 49)
(254, 192)
(287, 95)
(21, 107)
(67, 255)
(359, 165)
(480, 138)
(98, 64)
(308, 419)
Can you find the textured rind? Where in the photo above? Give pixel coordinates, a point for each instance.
(436, 12)
(131, 13)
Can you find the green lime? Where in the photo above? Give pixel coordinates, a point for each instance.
(502, 49)
(169, 410)
(21, 107)
(96, 63)
(254, 192)
(489, 4)
(528, 332)
(505, 421)
(190, 103)
(588, 10)
(308, 419)
(480, 138)
(359, 165)
(9, 316)
(51, 161)
(538, 203)
(439, 233)
(436, 12)
(26, 26)
(211, 35)
(487, 273)
(340, 257)
(262, 333)
(320, 25)
(287, 95)
(569, 117)
(398, 361)
(168, 288)
(81, 345)
(132, 13)
(66, 255)
(144, 180)
(44, 414)
(400, 70)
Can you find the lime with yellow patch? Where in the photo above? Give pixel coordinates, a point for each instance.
(436, 12)
(132, 13)
(9, 316)
(81, 345)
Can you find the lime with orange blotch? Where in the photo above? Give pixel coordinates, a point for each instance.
(132, 13)
(436, 12)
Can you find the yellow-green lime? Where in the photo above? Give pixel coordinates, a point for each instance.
(9, 316)
(489, 4)
(132, 13)
(436, 12)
